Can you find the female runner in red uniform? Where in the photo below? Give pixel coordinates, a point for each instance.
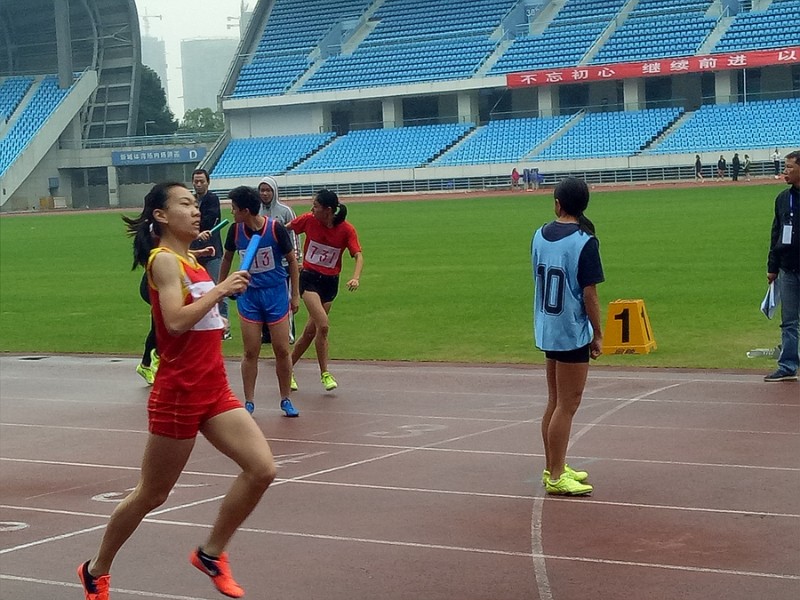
(327, 235)
(190, 395)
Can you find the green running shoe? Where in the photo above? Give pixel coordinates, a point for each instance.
(146, 373)
(579, 476)
(567, 486)
(328, 382)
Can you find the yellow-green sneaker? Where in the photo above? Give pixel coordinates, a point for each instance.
(579, 476)
(328, 382)
(567, 486)
(293, 384)
(146, 373)
(154, 361)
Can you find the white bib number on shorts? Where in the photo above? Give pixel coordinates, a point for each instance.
(322, 255)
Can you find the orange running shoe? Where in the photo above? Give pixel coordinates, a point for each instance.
(95, 588)
(220, 572)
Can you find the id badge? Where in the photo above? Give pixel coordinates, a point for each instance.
(787, 235)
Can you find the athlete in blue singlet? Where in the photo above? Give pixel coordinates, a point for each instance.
(566, 270)
(267, 300)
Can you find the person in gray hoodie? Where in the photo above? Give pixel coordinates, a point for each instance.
(271, 206)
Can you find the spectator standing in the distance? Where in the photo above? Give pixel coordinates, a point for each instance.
(536, 178)
(514, 179)
(746, 167)
(722, 168)
(776, 163)
(208, 247)
(783, 266)
(698, 168)
(736, 165)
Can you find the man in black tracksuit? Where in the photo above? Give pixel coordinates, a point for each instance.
(783, 265)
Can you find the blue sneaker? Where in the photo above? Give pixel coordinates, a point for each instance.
(249, 407)
(778, 375)
(286, 406)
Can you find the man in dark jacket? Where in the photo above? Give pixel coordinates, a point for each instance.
(208, 247)
(783, 265)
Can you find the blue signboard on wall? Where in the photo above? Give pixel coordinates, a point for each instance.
(157, 157)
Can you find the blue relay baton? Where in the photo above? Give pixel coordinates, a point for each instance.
(249, 256)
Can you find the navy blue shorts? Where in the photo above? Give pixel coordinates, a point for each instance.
(264, 305)
(579, 355)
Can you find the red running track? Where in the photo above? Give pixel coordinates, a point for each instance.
(416, 481)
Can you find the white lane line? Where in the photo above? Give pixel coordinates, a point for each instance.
(679, 508)
(414, 490)
(468, 549)
(442, 418)
(422, 449)
(116, 590)
(533, 399)
(686, 568)
(54, 538)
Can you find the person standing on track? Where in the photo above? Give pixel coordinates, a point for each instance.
(783, 268)
(698, 168)
(267, 301)
(149, 365)
(566, 270)
(208, 246)
(271, 206)
(190, 395)
(327, 235)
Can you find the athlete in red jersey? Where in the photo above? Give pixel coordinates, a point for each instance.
(327, 235)
(190, 394)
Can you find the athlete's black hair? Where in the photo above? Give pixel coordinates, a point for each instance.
(573, 196)
(246, 198)
(329, 199)
(144, 229)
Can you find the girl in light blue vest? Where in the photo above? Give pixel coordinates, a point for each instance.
(566, 270)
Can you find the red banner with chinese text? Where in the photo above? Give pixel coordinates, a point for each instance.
(659, 66)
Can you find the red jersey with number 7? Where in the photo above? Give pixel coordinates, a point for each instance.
(323, 246)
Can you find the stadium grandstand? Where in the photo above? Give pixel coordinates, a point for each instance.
(385, 96)
(69, 94)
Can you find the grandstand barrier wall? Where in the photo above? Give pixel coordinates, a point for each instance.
(678, 169)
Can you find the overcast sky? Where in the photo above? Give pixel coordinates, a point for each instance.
(185, 20)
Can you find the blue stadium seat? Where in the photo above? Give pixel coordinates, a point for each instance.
(254, 157)
(397, 148)
(609, 134)
(733, 126)
(34, 114)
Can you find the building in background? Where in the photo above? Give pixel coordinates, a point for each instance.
(204, 67)
(154, 55)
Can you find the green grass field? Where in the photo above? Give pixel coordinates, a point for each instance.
(444, 280)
